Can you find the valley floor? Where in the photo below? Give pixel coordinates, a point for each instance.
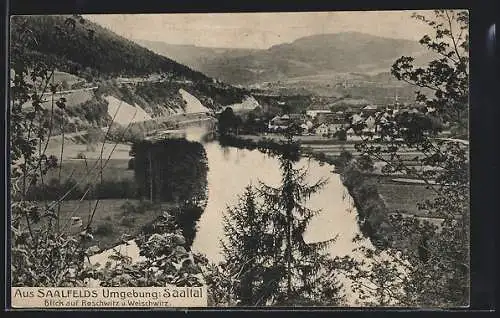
(113, 221)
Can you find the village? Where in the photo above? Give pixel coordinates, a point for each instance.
(322, 121)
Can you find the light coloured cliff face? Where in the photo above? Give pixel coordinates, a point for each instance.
(248, 103)
(124, 113)
(193, 105)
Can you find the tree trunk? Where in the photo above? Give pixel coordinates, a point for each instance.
(289, 253)
(150, 177)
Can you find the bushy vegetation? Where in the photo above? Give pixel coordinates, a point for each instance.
(53, 189)
(165, 94)
(167, 260)
(91, 113)
(433, 260)
(186, 217)
(141, 208)
(43, 251)
(94, 111)
(104, 229)
(173, 170)
(373, 216)
(219, 94)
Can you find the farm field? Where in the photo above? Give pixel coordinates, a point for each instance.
(75, 145)
(402, 197)
(116, 168)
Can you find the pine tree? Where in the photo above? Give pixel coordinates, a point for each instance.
(266, 259)
(308, 274)
(245, 251)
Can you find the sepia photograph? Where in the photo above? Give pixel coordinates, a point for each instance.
(284, 159)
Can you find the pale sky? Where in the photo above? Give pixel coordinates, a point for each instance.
(258, 30)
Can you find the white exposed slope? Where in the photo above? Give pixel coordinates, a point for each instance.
(248, 103)
(193, 105)
(124, 113)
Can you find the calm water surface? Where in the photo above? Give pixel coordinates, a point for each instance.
(232, 169)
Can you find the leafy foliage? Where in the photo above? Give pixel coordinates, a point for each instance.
(42, 254)
(172, 170)
(448, 76)
(167, 262)
(428, 264)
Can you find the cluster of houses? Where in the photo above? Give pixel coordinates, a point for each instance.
(327, 123)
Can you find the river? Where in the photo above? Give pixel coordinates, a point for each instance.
(232, 169)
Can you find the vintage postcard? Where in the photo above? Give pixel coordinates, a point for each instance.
(240, 160)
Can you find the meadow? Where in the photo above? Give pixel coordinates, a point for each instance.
(113, 220)
(402, 197)
(105, 189)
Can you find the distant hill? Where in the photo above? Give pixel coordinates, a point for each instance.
(311, 55)
(196, 57)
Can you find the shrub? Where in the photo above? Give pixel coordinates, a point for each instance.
(187, 217)
(366, 163)
(128, 208)
(128, 221)
(140, 208)
(144, 206)
(81, 155)
(131, 164)
(104, 229)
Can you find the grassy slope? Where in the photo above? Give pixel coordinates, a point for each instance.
(402, 197)
(108, 219)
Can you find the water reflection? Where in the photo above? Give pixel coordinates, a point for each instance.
(231, 170)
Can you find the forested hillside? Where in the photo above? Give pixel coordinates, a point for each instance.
(89, 50)
(93, 62)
